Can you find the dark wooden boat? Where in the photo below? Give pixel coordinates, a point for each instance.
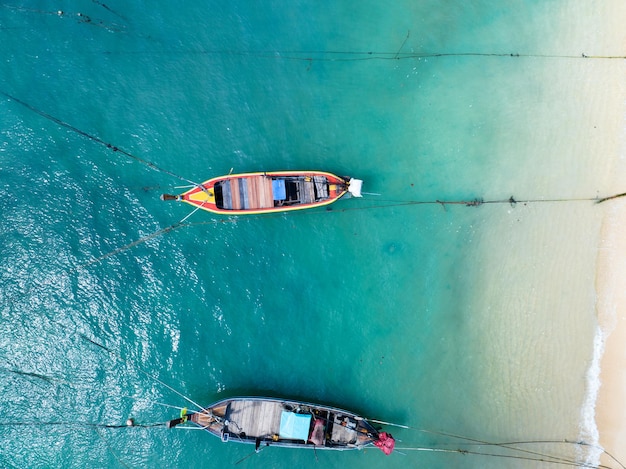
(267, 192)
(276, 422)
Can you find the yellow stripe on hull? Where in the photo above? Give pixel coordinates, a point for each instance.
(252, 193)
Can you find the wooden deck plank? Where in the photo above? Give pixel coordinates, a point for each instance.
(243, 193)
(269, 192)
(261, 191)
(309, 192)
(256, 418)
(234, 192)
(253, 192)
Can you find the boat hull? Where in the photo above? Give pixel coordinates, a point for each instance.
(266, 192)
(277, 422)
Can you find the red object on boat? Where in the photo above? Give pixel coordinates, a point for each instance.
(385, 443)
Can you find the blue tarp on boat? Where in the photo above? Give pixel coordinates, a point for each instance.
(294, 426)
(278, 189)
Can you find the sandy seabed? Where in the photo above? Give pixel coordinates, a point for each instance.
(610, 409)
(598, 30)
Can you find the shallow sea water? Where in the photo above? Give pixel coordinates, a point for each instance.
(440, 317)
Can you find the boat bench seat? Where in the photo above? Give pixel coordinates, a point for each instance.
(308, 192)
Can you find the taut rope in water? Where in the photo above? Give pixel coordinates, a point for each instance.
(78, 17)
(540, 458)
(80, 424)
(357, 56)
(175, 226)
(444, 203)
(118, 357)
(510, 444)
(527, 454)
(96, 139)
(507, 445)
(477, 202)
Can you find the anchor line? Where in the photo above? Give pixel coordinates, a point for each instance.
(180, 224)
(444, 203)
(403, 43)
(540, 458)
(476, 202)
(80, 18)
(110, 450)
(118, 357)
(96, 139)
(356, 56)
(55, 380)
(510, 444)
(80, 424)
(162, 383)
(529, 454)
(604, 199)
(106, 7)
(137, 242)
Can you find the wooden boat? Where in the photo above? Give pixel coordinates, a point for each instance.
(276, 422)
(267, 192)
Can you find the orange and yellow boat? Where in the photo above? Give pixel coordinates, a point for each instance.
(268, 192)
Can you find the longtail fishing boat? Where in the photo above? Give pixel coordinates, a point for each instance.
(276, 422)
(268, 192)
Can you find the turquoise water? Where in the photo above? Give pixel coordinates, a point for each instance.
(367, 308)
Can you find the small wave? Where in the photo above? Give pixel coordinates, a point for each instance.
(588, 427)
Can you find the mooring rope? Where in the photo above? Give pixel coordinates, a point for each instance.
(540, 458)
(145, 373)
(34, 423)
(477, 202)
(162, 231)
(444, 203)
(106, 7)
(511, 444)
(508, 445)
(117, 356)
(137, 242)
(115, 149)
(78, 17)
(57, 381)
(110, 450)
(355, 55)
